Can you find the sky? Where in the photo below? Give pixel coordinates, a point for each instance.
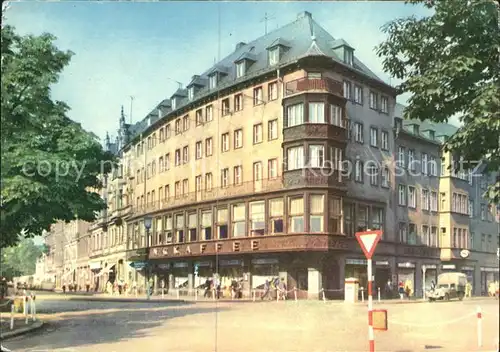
(142, 49)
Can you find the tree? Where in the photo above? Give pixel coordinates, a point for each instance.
(50, 164)
(20, 260)
(449, 62)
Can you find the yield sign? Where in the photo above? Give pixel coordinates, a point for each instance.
(368, 241)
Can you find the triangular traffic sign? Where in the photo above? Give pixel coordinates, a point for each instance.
(368, 241)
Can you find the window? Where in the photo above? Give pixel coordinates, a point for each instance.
(209, 113)
(272, 129)
(347, 90)
(179, 228)
(185, 154)
(206, 225)
(199, 117)
(257, 218)
(208, 146)
(349, 219)
(199, 150)
(167, 192)
(185, 123)
(425, 238)
(412, 197)
(401, 194)
(385, 140)
(433, 241)
(296, 211)
(222, 223)
(238, 138)
(373, 100)
(385, 177)
(212, 81)
(168, 228)
(274, 56)
(257, 133)
(240, 69)
(336, 115)
(358, 132)
(177, 157)
(193, 226)
(257, 171)
(336, 155)
(162, 135)
(483, 211)
(168, 132)
(197, 184)
(238, 102)
(276, 215)
(373, 173)
(425, 163)
(314, 75)
(225, 142)
(272, 168)
(257, 96)
(384, 102)
(167, 162)
(295, 115)
(224, 178)
(161, 164)
(295, 158)
(425, 199)
(411, 159)
(434, 201)
(208, 182)
(316, 203)
(272, 91)
(377, 219)
(225, 107)
(358, 94)
(178, 126)
(358, 171)
(471, 208)
(237, 170)
(316, 112)
(185, 186)
(238, 220)
(459, 203)
(373, 137)
(348, 56)
(401, 157)
(403, 234)
(334, 212)
(362, 217)
(316, 155)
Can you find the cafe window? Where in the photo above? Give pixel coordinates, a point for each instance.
(222, 223)
(238, 222)
(257, 218)
(206, 225)
(193, 226)
(168, 228)
(316, 218)
(362, 217)
(377, 219)
(334, 210)
(179, 228)
(276, 215)
(296, 211)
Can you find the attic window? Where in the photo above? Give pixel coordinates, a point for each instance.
(432, 134)
(191, 93)
(212, 82)
(174, 103)
(240, 69)
(274, 56)
(415, 129)
(348, 56)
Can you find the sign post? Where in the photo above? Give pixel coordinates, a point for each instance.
(368, 241)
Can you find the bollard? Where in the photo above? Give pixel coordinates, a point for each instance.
(323, 292)
(12, 310)
(178, 293)
(479, 327)
(362, 294)
(379, 294)
(295, 293)
(253, 295)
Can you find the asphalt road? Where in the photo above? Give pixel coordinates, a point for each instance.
(255, 327)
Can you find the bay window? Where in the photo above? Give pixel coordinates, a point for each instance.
(336, 117)
(377, 219)
(316, 155)
(276, 215)
(296, 211)
(362, 217)
(295, 115)
(335, 216)
(316, 112)
(316, 218)
(295, 158)
(257, 218)
(349, 219)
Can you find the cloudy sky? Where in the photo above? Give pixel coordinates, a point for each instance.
(141, 49)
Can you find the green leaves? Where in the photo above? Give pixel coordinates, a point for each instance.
(21, 259)
(49, 163)
(449, 62)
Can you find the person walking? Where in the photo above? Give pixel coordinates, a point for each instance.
(267, 288)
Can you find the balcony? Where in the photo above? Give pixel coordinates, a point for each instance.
(240, 190)
(315, 130)
(309, 84)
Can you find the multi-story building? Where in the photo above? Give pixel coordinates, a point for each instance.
(266, 165)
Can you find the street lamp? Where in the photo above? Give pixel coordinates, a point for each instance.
(147, 225)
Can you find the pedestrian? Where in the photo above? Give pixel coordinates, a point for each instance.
(388, 289)
(208, 286)
(267, 287)
(134, 286)
(401, 290)
(64, 288)
(282, 288)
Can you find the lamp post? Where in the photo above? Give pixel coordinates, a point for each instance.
(147, 225)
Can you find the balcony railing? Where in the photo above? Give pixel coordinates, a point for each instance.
(308, 84)
(245, 188)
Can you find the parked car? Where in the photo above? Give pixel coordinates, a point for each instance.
(449, 286)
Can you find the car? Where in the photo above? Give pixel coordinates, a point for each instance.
(449, 285)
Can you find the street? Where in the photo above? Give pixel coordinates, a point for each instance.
(256, 326)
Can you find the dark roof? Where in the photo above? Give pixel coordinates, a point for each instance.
(302, 37)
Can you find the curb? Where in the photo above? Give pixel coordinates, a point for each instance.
(35, 326)
(125, 300)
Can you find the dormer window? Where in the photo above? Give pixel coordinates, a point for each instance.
(398, 123)
(240, 69)
(159, 114)
(212, 81)
(174, 103)
(348, 56)
(191, 93)
(274, 56)
(415, 129)
(432, 135)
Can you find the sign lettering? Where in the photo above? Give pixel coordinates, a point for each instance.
(338, 244)
(418, 251)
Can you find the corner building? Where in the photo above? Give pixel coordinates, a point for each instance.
(242, 172)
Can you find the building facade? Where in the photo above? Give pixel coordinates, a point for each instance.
(267, 164)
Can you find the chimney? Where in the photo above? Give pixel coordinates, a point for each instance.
(304, 14)
(240, 45)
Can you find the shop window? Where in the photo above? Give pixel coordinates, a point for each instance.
(206, 225)
(335, 214)
(257, 218)
(179, 228)
(276, 215)
(362, 217)
(296, 211)
(238, 220)
(222, 223)
(193, 226)
(316, 217)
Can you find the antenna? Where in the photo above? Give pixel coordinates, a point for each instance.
(265, 20)
(131, 105)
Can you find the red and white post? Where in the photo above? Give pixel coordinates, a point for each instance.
(479, 327)
(371, 335)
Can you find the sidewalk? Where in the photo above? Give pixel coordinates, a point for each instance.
(20, 326)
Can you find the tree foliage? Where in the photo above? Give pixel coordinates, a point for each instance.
(20, 260)
(50, 164)
(449, 62)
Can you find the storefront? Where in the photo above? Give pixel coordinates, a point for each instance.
(230, 270)
(357, 268)
(205, 271)
(180, 273)
(469, 271)
(406, 275)
(489, 276)
(382, 274)
(429, 272)
(161, 273)
(264, 269)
